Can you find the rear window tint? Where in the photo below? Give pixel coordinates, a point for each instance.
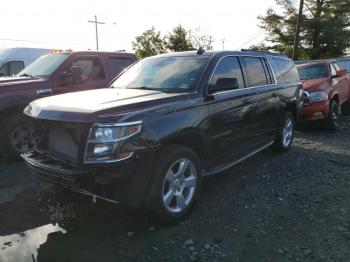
(255, 71)
(287, 70)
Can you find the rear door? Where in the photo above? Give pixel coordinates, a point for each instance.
(94, 75)
(259, 78)
(232, 112)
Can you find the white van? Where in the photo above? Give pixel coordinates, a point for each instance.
(13, 60)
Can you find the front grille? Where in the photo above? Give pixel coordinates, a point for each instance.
(65, 141)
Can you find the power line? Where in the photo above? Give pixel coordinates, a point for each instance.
(36, 41)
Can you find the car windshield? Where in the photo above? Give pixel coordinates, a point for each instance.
(167, 74)
(312, 72)
(44, 66)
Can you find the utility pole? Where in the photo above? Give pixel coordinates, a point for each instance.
(223, 43)
(96, 23)
(210, 42)
(297, 33)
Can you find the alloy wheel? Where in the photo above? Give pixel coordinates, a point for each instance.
(179, 185)
(287, 132)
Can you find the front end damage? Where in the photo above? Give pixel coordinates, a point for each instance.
(58, 158)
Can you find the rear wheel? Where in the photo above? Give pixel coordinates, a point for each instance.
(285, 134)
(16, 137)
(333, 120)
(176, 183)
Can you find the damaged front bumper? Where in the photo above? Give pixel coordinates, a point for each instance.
(118, 183)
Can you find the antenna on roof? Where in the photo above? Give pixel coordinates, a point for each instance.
(200, 51)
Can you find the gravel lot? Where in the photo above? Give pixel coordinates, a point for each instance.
(289, 207)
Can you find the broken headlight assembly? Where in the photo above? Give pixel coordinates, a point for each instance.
(105, 142)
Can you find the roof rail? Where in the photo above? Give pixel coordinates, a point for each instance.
(264, 52)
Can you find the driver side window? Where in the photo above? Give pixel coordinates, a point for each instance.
(91, 68)
(227, 75)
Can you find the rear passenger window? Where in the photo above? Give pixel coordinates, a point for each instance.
(255, 71)
(287, 70)
(226, 72)
(118, 64)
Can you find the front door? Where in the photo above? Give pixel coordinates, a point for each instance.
(232, 112)
(93, 75)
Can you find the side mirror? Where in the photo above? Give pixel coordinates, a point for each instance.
(342, 72)
(76, 73)
(224, 84)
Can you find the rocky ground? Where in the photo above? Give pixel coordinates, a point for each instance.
(289, 207)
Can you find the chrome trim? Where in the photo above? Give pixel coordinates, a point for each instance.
(107, 161)
(44, 91)
(237, 161)
(109, 141)
(308, 97)
(87, 193)
(245, 88)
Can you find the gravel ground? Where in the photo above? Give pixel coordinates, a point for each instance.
(289, 207)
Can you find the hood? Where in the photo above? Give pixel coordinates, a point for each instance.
(315, 85)
(18, 80)
(88, 106)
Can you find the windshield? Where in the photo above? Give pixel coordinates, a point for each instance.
(312, 72)
(167, 74)
(44, 65)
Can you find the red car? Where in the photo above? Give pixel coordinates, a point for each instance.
(326, 88)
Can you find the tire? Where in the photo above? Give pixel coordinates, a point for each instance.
(333, 120)
(345, 108)
(171, 198)
(285, 134)
(16, 127)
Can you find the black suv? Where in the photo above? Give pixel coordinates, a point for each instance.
(163, 124)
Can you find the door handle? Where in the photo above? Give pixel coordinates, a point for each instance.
(44, 91)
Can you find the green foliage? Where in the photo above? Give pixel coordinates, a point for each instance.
(178, 40)
(152, 43)
(325, 28)
(148, 44)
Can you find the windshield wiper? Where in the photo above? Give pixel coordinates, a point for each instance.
(25, 74)
(148, 88)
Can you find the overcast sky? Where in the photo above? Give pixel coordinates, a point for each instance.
(63, 24)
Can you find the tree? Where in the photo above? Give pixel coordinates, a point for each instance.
(325, 28)
(199, 39)
(148, 44)
(178, 40)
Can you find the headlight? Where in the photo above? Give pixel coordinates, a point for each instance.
(318, 96)
(106, 141)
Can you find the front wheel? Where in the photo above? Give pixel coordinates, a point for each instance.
(16, 137)
(333, 120)
(285, 134)
(176, 183)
